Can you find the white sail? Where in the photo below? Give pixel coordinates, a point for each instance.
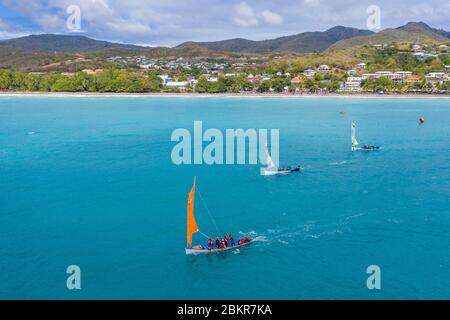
(270, 163)
(355, 142)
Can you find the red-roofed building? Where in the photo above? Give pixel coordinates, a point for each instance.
(296, 80)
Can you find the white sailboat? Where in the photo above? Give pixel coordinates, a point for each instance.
(272, 169)
(355, 142)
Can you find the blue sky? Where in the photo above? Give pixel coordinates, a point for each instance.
(170, 22)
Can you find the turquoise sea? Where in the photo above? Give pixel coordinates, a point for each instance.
(90, 182)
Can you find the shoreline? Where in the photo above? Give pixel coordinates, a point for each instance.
(222, 95)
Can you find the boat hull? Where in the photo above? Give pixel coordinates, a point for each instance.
(265, 172)
(191, 251)
(367, 149)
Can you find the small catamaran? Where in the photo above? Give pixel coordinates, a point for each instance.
(193, 228)
(355, 143)
(272, 169)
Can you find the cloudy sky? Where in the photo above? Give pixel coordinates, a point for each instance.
(170, 22)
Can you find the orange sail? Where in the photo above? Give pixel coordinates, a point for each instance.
(191, 223)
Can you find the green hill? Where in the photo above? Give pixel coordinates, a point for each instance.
(413, 32)
(61, 43)
(300, 43)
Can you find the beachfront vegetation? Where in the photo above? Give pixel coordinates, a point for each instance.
(107, 81)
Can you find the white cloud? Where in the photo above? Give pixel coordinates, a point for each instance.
(175, 21)
(271, 18)
(245, 15)
(133, 28)
(311, 2)
(50, 23)
(3, 25)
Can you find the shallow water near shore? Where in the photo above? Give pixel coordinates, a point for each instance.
(90, 182)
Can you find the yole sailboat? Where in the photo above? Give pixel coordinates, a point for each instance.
(272, 169)
(193, 228)
(355, 143)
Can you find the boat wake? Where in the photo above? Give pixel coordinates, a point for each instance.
(310, 230)
(340, 163)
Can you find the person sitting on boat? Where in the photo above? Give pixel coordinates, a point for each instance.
(243, 241)
(217, 242)
(230, 237)
(368, 147)
(210, 244)
(225, 242)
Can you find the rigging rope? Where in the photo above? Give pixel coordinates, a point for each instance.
(208, 212)
(205, 235)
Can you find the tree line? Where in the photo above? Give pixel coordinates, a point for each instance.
(106, 81)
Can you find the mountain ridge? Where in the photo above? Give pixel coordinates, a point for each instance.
(412, 32)
(337, 37)
(306, 42)
(62, 43)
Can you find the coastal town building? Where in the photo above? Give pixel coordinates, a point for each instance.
(165, 79)
(422, 56)
(323, 68)
(309, 73)
(436, 78)
(361, 66)
(177, 84)
(436, 75)
(92, 72)
(296, 80)
(352, 84)
(443, 48)
(403, 74)
(398, 76)
(413, 79)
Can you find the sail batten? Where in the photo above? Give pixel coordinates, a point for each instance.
(191, 222)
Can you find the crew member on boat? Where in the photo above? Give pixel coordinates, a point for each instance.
(225, 242)
(243, 241)
(230, 237)
(217, 242)
(210, 244)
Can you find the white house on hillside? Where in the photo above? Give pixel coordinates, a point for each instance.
(177, 84)
(361, 66)
(323, 68)
(165, 79)
(309, 73)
